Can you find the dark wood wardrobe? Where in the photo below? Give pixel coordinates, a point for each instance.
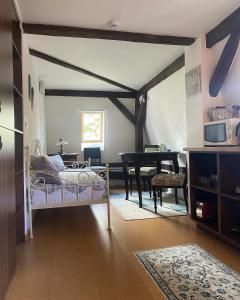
(11, 143)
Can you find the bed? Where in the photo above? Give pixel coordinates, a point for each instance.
(75, 186)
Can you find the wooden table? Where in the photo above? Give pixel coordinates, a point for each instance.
(137, 158)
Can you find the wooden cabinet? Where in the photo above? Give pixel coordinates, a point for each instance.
(7, 208)
(6, 63)
(11, 143)
(214, 176)
(18, 126)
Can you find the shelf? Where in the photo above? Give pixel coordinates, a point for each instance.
(205, 189)
(210, 226)
(231, 242)
(231, 196)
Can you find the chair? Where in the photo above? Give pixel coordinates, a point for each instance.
(147, 171)
(94, 154)
(176, 181)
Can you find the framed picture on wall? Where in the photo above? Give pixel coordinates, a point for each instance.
(29, 87)
(193, 82)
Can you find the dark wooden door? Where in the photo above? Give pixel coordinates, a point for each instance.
(7, 209)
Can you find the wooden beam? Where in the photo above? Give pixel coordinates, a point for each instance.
(123, 110)
(78, 32)
(223, 29)
(224, 64)
(168, 71)
(140, 123)
(89, 94)
(67, 65)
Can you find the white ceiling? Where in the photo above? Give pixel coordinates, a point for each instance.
(132, 64)
(175, 17)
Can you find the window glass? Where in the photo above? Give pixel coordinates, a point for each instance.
(92, 128)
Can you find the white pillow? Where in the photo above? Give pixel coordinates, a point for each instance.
(57, 162)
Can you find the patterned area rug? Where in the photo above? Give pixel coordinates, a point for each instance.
(130, 210)
(189, 272)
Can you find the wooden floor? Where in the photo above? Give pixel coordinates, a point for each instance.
(73, 256)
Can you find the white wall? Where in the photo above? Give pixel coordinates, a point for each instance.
(231, 87)
(34, 119)
(197, 106)
(166, 112)
(63, 121)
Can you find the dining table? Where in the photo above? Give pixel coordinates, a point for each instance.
(138, 159)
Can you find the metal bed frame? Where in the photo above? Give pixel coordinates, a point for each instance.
(35, 181)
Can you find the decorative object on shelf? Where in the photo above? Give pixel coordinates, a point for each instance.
(61, 143)
(236, 111)
(207, 181)
(206, 211)
(237, 190)
(235, 229)
(193, 82)
(220, 113)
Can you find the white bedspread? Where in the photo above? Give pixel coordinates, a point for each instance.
(77, 185)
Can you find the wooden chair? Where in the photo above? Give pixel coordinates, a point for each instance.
(147, 171)
(174, 181)
(94, 154)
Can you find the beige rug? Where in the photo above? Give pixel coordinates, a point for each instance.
(189, 272)
(130, 211)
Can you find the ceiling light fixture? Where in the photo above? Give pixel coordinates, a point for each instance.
(113, 24)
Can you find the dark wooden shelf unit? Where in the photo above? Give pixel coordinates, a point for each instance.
(11, 143)
(230, 218)
(16, 34)
(17, 65)
(18, 112)
(226, 165)
(18, 125)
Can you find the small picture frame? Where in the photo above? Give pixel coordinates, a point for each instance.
(32, 98)
(193, 82)
(29, 87)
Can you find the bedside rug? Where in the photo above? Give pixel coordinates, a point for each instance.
(189, 272)
(130, 211)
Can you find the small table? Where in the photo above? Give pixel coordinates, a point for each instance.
(136, 158)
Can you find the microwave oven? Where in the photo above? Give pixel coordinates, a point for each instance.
(222, 132)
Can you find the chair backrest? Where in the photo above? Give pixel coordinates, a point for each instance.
(94, 154)
(155, 148)
(151, 148)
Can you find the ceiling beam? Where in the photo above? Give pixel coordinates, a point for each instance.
(165, 73)
(78, 32)
(89, 94)
(123, 110)
(223, 29)
(67, 65)
(140, 123)
(224, 64)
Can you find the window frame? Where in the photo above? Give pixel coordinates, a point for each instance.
(101, 140)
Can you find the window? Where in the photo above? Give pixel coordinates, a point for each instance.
(92, 128)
